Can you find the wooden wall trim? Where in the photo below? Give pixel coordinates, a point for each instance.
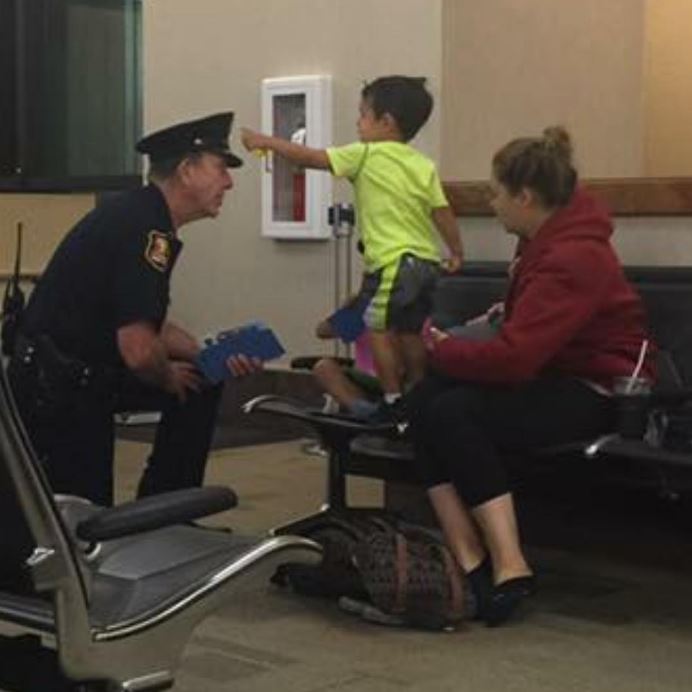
(623, 196)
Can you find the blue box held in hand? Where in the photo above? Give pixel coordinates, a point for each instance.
(254, 340)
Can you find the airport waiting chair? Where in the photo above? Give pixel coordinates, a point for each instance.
(659, 454)
(106, 599)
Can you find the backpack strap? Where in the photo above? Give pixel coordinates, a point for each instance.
(455, 584)
(401, 565)
(455, 579)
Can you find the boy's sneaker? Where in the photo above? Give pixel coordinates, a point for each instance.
(395, 413)
(362, 409)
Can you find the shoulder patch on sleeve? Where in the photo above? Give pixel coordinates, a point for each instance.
(158, 252)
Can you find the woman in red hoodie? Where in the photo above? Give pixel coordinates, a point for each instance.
(572, 325)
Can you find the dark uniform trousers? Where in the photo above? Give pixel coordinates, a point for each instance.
(71, 427)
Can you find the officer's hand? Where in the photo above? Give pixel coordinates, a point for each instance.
(183, 376)
(242, 365)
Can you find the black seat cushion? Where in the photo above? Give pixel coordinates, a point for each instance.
(142, 574)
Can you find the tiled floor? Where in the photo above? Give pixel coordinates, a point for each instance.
(597, 624)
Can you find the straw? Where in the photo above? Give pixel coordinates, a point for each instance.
(637, 368)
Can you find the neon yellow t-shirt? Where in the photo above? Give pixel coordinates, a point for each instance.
(396, 189)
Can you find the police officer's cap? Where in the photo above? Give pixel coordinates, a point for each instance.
(206, 134)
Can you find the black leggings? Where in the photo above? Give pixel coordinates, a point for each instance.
(461, 430)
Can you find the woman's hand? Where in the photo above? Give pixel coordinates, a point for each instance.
(437, 336)
(493, 313)
(432, 335)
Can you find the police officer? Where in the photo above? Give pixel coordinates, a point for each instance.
(95, 338)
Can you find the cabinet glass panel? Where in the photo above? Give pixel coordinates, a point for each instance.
(295, 200)
(288, 181)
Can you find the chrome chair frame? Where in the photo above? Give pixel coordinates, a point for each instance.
(88, 606)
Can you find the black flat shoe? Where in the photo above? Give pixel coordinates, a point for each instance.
(507, 596)
(480, 580)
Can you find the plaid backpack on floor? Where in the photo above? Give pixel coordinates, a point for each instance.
(403, 570)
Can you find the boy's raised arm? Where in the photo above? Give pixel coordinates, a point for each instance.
(296, 153)
(448, 228)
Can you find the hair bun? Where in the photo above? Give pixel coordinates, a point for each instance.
(557, 139)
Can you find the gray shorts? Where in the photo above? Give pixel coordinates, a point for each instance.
(398, 296)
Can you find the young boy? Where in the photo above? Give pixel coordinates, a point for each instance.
(399, 199)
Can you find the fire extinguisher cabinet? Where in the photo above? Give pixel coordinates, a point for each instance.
(295, 200)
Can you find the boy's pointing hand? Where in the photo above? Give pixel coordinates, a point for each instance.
(251, 140)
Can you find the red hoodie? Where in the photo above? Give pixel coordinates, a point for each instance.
(569, 311)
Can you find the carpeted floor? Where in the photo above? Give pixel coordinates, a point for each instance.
(613, 612)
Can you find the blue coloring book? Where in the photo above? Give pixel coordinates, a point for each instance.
(254, 340)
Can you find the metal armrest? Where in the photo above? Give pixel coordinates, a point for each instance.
(323, 422)
(155, 512)
(638, 450)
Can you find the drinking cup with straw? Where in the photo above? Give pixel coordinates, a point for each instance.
(632, 396)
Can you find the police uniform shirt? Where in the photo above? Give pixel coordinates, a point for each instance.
(112, 269)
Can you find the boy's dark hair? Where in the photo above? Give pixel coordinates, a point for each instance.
(405, 98)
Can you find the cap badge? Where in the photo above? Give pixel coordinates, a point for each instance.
(158, 252)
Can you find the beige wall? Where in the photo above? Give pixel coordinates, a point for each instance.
(643, 241)
(211, 55)
(46, 218)
(668, 102)
(511, 67)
